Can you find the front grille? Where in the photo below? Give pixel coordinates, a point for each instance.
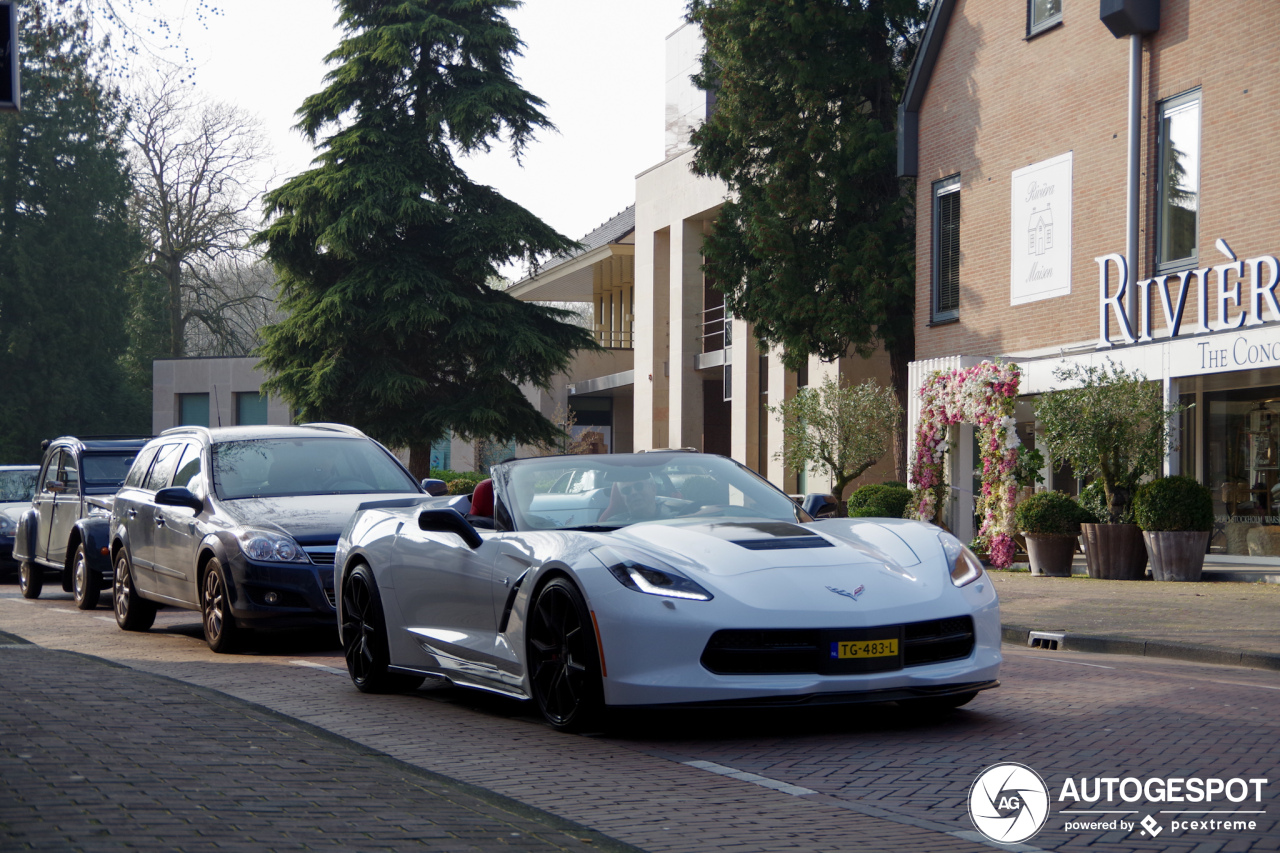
(332, 596)
(321, 555)
(806, 650)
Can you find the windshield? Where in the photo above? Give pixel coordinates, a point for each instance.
(18, 484)
(279, 467)
(107, 469)
(608, 491)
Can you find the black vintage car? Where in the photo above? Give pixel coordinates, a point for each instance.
(65, 535)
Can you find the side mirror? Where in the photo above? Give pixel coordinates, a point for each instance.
(178, 496)
(435, 488)
(55, 486)
(449, 521)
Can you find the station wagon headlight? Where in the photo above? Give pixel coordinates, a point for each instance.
(7, 526)
(964, 565)
(647, 575)
(266, 546)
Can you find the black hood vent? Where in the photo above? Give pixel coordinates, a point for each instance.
(788, 543)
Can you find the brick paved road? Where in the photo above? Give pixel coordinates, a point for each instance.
(831, 780)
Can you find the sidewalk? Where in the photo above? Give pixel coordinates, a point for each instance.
(1222, 622)
(98, 757)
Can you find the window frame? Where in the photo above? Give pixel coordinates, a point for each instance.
(1163, 108)
(947, 186)
(1033, 28)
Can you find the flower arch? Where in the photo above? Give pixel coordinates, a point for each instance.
(982, 395)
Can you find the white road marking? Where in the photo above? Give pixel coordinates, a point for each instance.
(1078, 663)
(319, 666)
(110, 619)
(762, 781)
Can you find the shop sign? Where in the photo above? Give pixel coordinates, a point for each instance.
(1040, 231)
(1247, 287)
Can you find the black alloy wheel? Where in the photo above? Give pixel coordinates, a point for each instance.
(221, 631)
(86, 583)
(564, 664)
(30, 579)
(364, 637)
(133, 612)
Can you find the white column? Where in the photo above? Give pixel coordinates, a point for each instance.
(685, 301)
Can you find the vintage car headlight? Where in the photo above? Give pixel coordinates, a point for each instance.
(645, 574)
(964, 564)
(270, 547)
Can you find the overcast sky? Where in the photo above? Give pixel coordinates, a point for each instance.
(599, 65)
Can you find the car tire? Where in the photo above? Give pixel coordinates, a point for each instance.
(221, 630)
(133, 612)
(563, 660)
(30, 579)
(364, 637)
(86, 583)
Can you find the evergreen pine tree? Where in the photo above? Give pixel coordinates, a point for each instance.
(385, 249)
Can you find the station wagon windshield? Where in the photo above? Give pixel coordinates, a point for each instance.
(305, 466)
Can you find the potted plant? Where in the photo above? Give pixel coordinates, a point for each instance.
(1176, 516)
(883, 500)
(1111, 426)
(1050, 524)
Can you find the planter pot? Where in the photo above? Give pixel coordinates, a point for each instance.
(1176, 555)
(1050, 556)
(1114, 552)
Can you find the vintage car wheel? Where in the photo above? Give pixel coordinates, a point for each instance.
(564, 666)
(364, 637)
(133, 612)
(30, 579)
(86, 583)
(221, 631)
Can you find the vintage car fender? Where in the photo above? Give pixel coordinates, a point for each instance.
(95, 534)
(25, 536)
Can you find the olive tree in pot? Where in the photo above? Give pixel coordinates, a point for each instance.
(1111, 425)
(1050, 523)
(1176, 515)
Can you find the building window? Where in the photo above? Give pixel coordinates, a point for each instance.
(1043, 14)
(1178, 208)
(193, 410)
(251, 408)
(946, 249)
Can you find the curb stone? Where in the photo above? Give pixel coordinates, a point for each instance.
(1018, 635)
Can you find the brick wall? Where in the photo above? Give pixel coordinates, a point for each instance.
(999, 102)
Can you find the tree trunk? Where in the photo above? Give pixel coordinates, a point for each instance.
(901, 354)
(420, 461)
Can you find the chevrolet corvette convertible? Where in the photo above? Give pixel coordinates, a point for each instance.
(669, 578)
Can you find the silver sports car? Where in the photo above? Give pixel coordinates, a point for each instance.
(659, 579)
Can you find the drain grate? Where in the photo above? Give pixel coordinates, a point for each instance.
(1045, 639)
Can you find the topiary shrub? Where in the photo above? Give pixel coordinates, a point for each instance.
(1051, 514)
(462, 486)
(883, 500)
(1093, 498)
(1173, 503)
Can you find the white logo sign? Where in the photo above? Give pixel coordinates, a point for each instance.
(1008, 803)
(1040, 231)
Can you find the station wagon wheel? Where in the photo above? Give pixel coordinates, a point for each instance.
(30, 579)
(221, 631)
(86, 583)
(564, 666)
(364, 637)
(133, 612)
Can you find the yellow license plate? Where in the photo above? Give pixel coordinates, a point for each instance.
(865, 649)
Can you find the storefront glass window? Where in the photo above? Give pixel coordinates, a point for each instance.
(1242, 469)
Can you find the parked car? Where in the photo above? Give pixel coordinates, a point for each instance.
(17, 485)
(677, 579)
(63, 534)
(241, 523)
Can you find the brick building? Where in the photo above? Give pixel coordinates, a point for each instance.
(1039, 243)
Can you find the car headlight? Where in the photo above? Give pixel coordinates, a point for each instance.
(7, 526)
(964, 564)
(647, 575)
(268, 546)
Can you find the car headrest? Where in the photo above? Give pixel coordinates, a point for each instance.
(482, 499)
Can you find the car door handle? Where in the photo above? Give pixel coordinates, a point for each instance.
(159, 521)
(133, 513)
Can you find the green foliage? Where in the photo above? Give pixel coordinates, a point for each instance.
(1051, 514)
(1112, 425)
(65, 244)
(1093, 498)
(886, 500)
(461, 485)
(845, 429)
(1173, 503)
(1027, 472)
(815, 245)
(385, 248)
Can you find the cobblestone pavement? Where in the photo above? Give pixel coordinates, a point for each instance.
(828, 780)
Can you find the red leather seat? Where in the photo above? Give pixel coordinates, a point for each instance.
(482, 499)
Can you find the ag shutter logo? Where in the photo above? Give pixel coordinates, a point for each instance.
(1008, 803)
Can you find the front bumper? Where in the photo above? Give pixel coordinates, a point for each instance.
(281, 595)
